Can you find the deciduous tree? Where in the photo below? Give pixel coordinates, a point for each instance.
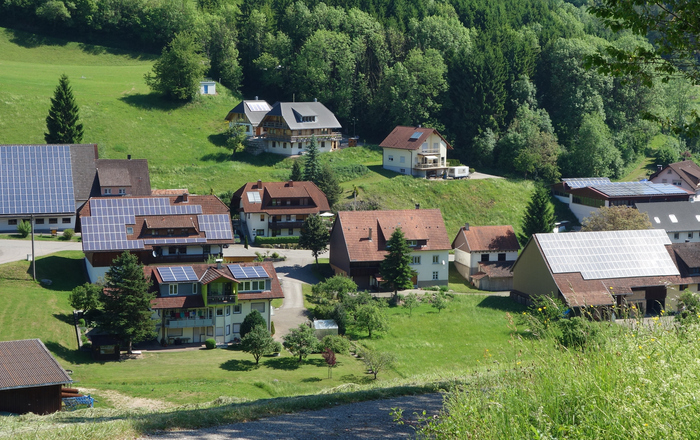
(85, 297)
(616, 218)
(396, 266)
(314, 236)
(176, 74)
(410, 302)
(335, 287)
(377, 361)
(258, 342)
(300, 341)
(372, 318)
(126, 301)
(62, 122)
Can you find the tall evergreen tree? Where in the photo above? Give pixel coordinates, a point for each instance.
(312, 167)
(539, 216)
(396, 267)
(126, 301)
(328, 183)
(314, 236)
(62, 121)
(297, 171)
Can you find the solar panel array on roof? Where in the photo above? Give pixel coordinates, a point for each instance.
(216, 226)
(583, 182)
(245, 272)
(253, 197)
(621, 189)
(177, 273)
(139, 206)
(259, 106)
(172, 240)
(36, 179)
(609, 254)
(416, 135)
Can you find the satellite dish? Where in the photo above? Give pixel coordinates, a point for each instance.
(155, 254)
(443, 262)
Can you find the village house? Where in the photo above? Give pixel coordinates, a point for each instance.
(122, 177)
(685, 174)
(680, 220)
(358, 245)
(249, 114)
(416, 151)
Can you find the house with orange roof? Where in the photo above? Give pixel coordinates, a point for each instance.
(416, 151)
(273, 209)
(484, 255)
(358, 245)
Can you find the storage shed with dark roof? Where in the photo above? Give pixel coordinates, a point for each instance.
(30, 378)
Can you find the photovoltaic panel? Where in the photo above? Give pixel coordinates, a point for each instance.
(216, 226)
(173, 240)
(259, 106)
(583, 182)
(36, 179)
(254, 197)
(247, 272)
(416, 135)
(621, 189)
(177, 273)
(609, 254)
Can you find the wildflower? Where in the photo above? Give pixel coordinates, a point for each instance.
(640, 347)
(539, 309)
(544, 308)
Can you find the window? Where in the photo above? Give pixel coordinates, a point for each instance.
(435, 275)
(236, 308)
(175, 332)
(677, 235)
(122, 191)
(13, 221)
(402, 171)
(284, 145)
(391, 158)
(182, 250)
(501, 257)
(220, 311)
(274, 144)
(690, 235)
(228, 330)
(65, 220)
(210, 331)
(436, 259)
(252, 285)
(415, 259)
(206, 249)
(53, 221)
(108, 191)
(323, 144)
(677, 182)
(669, 171)
(664, 180)
(402, 159)
(260, 232)
(236, 328)
(289, 218)
(194, 287)
(682, 287)
(39, 221)
(228, 310)
(260, 307)
(484, 257)
(172, 250)
(262, 217)
(129, 230)
(172, 289)
(290, 231)
(219, 331)
(412, 242)
(299, 145)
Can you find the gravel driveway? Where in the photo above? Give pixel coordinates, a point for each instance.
(363, 420)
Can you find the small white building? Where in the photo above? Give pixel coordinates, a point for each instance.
(416, 151)
(207, 87)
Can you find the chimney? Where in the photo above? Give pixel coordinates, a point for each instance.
(185, 197)
(466, 226)
(259, 184)
(370, 234)
(315, 100)
(420, 126)
(218, 263)
(659, 167)
(256, 98)
(128, 157)
(417, 205)
(291, 183)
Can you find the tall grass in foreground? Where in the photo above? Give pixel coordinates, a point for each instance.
(640, 383)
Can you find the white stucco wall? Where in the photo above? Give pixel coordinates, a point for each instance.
(426, 267)
(5, 225)
(95, 274)
(292, 149)
(392, 160)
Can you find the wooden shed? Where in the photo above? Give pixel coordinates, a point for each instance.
(105, 348)
(30, 378)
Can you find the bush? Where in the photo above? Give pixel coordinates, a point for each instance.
(87, 346)
(210, 343)
(544, 312)
(24, 228)
(68, 234)
(276, 240)
(336, 343)
(276, 347)
(81, 322)
(323, 311)
(453, 162)
(275, 255)
(577, 332)
(272, 328)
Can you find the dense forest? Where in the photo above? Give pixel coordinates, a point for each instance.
(503, 80)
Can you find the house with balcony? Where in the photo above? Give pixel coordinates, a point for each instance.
(358, 245)
(289, 127)
(272, 209)
(200, 301)
(184, 228)
(416, 151)
(685, 174)
(249, 114)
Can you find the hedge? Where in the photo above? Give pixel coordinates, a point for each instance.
(276, 240)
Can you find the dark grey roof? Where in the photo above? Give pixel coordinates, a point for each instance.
(582, 182)
(130, 173)
(673, 216)
(27, 363)
(255, 111)
(633, 189)
(293, 112)
(82, 157)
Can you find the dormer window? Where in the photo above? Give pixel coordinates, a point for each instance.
(129, 230)
(247, 286)
(694, 270)
(108, 191)
(171, 232)
(308, 119)
(122, 191)
(412, 242)
(172, 289)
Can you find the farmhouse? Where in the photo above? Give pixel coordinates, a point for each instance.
(484, 255)
(200, 301)
(156, 229)
(687, 259)
(358, 245)
(249, 114)
(273, 209)
(585, 195)
(122, 177)
(685, 174)
(30, 378)
(417, 151)
(600, 269)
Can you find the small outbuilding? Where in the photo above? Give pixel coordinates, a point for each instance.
(105, 348)
(30, 378)
(207, 87)
(324, 327)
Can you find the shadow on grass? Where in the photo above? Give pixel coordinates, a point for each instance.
(30, 41)
(152, 101)
(218, 139)
(220, 157)
(65, 318)
(381, 171)
(285, 363)
(502, 303)
(311, 380)
(65, 273)
(103, 50)
(238, 365)
(67, 354)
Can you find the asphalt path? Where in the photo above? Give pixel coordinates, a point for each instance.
(292, 273)
(15, 250)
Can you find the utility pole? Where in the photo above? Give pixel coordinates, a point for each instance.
(31, 219)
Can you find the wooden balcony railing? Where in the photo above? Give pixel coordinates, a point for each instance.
(221, 299)
(428, 166)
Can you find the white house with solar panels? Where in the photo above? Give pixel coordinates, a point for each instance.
(184, 228)
(416, 151)
(249, 114)
(599, 269)
(586, 195)
(201, 301)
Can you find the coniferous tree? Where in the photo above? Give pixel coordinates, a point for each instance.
(314, 236)
(252, 320)
(126, 301)
(328, 183)
(396, 267)
(539, 216)
(312, 167)
(62, 121)
(297, 171)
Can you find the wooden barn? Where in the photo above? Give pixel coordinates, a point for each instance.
(30, 378)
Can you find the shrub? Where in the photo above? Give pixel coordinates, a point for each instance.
(323, 311)
(210, 343)
(68, 234)
(24, 228)
(577, 332)
(544, 312)
(84, 339)
(453, 162)
(688, 308)
(276, 240)
(275, 255)
(276, 347)
(272, 328)
(87, 346)
(336, 343)
(81, 322)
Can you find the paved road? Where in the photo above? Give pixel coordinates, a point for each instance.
(293, 273)
(15, 250)
(363, 420)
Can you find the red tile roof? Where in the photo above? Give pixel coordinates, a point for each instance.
(579, 292)
(486, 238)
(355, 225)
(27, 363)
(688, 170)
(281, 190)
(400, 138)
(177, 302)
(497, 269)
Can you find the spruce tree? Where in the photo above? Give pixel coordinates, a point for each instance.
(539, 215)
(62, 121)
(312, 167)
(126, 301)
(396, 267)
(328, 183)
(297, 171)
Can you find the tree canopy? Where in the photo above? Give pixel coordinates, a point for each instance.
(616, 218)
(62, 122)
(314, 235)
(258, 342)
(396, 266)
(180, 68)
(300, 341)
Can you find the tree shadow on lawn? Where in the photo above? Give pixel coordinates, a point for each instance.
(65, 273)
(380, 170)
(220, 157)
(30, 41)
(502, 303)
(93, 49)
(311, 379)
(285, 363)
(218, 139)
(72, 356)
(65, 318)
(152, 101)
(238, 365)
